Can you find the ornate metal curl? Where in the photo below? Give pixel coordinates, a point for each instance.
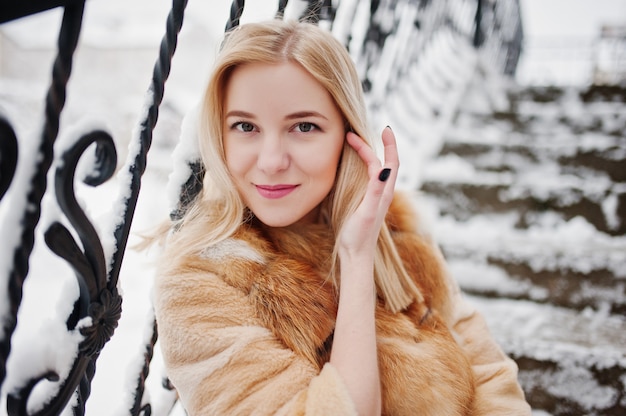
(55, 100)
(97, 299)
(91, 268)
(8, 158)
(8, 164)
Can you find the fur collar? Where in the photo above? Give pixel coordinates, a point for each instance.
(284, 273)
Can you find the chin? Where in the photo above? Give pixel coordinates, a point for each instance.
(286, 217)
(273, 221)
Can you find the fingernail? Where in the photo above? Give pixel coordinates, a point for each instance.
(389, 127)
(384, 174)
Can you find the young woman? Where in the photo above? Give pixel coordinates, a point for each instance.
(298, 282)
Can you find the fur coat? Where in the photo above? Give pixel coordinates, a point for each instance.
(246, 327)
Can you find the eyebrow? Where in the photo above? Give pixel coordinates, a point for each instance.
(305, 114)
(292, 116)
(237, 113)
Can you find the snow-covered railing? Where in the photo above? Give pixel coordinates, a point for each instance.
(54, 374)
(97, 308)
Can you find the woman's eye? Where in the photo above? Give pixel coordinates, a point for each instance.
(244, 127)
(305, 127)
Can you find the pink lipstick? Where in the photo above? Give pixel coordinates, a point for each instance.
(275, 191)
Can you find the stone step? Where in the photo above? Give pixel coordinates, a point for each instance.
(571, 363)
(548, 94)
(503, 278)
(565, 112)
(462, 192)
(530, 208)
(568, 264)
(584, 155)
(547, 121)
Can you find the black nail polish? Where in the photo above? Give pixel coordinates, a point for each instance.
(384, 174)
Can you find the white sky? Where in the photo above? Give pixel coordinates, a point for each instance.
(572, 18)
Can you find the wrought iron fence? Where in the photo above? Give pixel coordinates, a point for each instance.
(97, 308)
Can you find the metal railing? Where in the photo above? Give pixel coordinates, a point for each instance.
(97, 309)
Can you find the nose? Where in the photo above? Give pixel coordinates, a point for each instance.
(273, 156)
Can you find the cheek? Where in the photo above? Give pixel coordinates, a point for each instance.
(323, 163)
(237, 159)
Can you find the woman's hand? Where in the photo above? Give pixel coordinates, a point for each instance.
(359, 233)
(354, 353)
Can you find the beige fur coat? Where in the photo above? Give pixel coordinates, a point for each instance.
(246, 328)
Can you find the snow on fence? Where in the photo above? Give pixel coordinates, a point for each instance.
(48, 354)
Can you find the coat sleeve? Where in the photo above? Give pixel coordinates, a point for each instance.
(497, 389)
(223, 362)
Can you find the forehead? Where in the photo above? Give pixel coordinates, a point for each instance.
(281, 86)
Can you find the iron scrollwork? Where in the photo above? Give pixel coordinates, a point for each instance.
(8, 164)
(97, 310)
(98, 299)
(55, 101)
(8, 158)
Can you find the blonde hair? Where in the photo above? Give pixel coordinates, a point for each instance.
(218, 210)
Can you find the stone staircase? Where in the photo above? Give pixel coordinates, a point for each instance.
(531, 208)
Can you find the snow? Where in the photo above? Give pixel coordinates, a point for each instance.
(561, 38)
(119, 50)
(48, 288)
(187, 150)
(10, 226)
(422, 107)
(574, 243)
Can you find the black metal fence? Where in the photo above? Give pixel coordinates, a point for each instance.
(492, 26)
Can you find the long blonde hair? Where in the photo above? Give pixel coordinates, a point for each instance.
(218, 210)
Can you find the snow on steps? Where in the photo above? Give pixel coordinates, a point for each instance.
(532, 206)
(570, 363)
(567, 264)
(568, 157)
(601, 202)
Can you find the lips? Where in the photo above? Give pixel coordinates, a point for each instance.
(275, 191)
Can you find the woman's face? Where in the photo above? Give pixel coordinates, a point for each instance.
(283, 137)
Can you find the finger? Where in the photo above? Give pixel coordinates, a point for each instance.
(392, 162)
(365, 152)
(381, 178)
(369, 157)
(391, 148)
